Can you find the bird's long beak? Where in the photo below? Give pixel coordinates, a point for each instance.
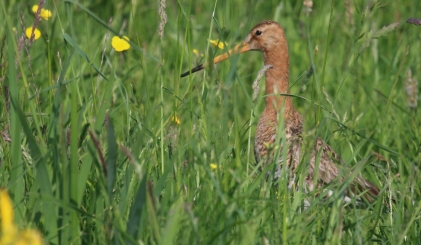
(238, 49)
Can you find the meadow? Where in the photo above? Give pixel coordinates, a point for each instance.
(99, 146)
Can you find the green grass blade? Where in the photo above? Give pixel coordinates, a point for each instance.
(17, 184)
(136, 210)
(83, 54)
(111, 158)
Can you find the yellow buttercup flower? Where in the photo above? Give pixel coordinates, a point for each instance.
(175, 119)
(45, 13)
(9, 233)
(214, 166)
(28, 33)
(218, 43)
(6, 212)
(120, 44)
(35, 8)
(197, 53)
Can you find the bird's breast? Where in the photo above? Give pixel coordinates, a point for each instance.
(266, 134)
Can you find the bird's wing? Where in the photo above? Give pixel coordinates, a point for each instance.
(323, 158)
(327, 161)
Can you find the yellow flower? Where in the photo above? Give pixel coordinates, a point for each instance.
(213, 166)
(6, 211)
(175, 119)
(45, 13)
(197, 53)
(9, 232)
(218, 43)
(28, 33)
(120, 44)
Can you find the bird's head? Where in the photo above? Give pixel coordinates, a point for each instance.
(266, 36)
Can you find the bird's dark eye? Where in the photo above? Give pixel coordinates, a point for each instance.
(258, 33)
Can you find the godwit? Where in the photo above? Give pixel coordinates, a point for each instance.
(268, 37)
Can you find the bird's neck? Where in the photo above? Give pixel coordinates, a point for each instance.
(277, 81)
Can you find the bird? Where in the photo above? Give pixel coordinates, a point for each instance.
(269, 38)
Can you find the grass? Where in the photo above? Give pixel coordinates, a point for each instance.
(90, 154)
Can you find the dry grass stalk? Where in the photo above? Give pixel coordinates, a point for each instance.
(31, 40)
(172, 140)
(330, 103)
(21, 39)
(349, 6)
(255, 86)
(308, 6)
(163, 16)
(36, 21)
(411, 88)
(377, 34)
(59, 60)
(107, 35)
